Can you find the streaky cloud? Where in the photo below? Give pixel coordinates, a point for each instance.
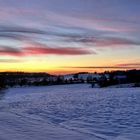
(13, 36)
(93, 38)
(10, 61)
(104, 41)
(18, 29)
(104, 67)
(137, 64)
(41, 49)
(11, 51)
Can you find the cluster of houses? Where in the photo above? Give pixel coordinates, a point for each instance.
(96, 79)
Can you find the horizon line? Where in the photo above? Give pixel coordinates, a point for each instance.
(63, 73)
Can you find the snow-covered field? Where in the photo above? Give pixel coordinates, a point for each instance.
(70, 112)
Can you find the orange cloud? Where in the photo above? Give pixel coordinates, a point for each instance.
(129, 65)
(107, 67)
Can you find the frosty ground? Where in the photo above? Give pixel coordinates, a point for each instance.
(70, 112)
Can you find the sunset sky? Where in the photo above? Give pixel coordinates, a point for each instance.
(66, 36)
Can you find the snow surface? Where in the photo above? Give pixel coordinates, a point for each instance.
(130, 85)
(70, 112)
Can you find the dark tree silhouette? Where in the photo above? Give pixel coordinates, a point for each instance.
(2, 82)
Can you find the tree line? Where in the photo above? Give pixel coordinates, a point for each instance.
(11, 79)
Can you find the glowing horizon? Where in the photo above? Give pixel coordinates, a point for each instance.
(65, 36)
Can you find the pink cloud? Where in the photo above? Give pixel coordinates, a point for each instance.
(39, 49)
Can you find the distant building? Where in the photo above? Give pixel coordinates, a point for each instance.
(89, 76)
(82, 76)
(69, 76)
